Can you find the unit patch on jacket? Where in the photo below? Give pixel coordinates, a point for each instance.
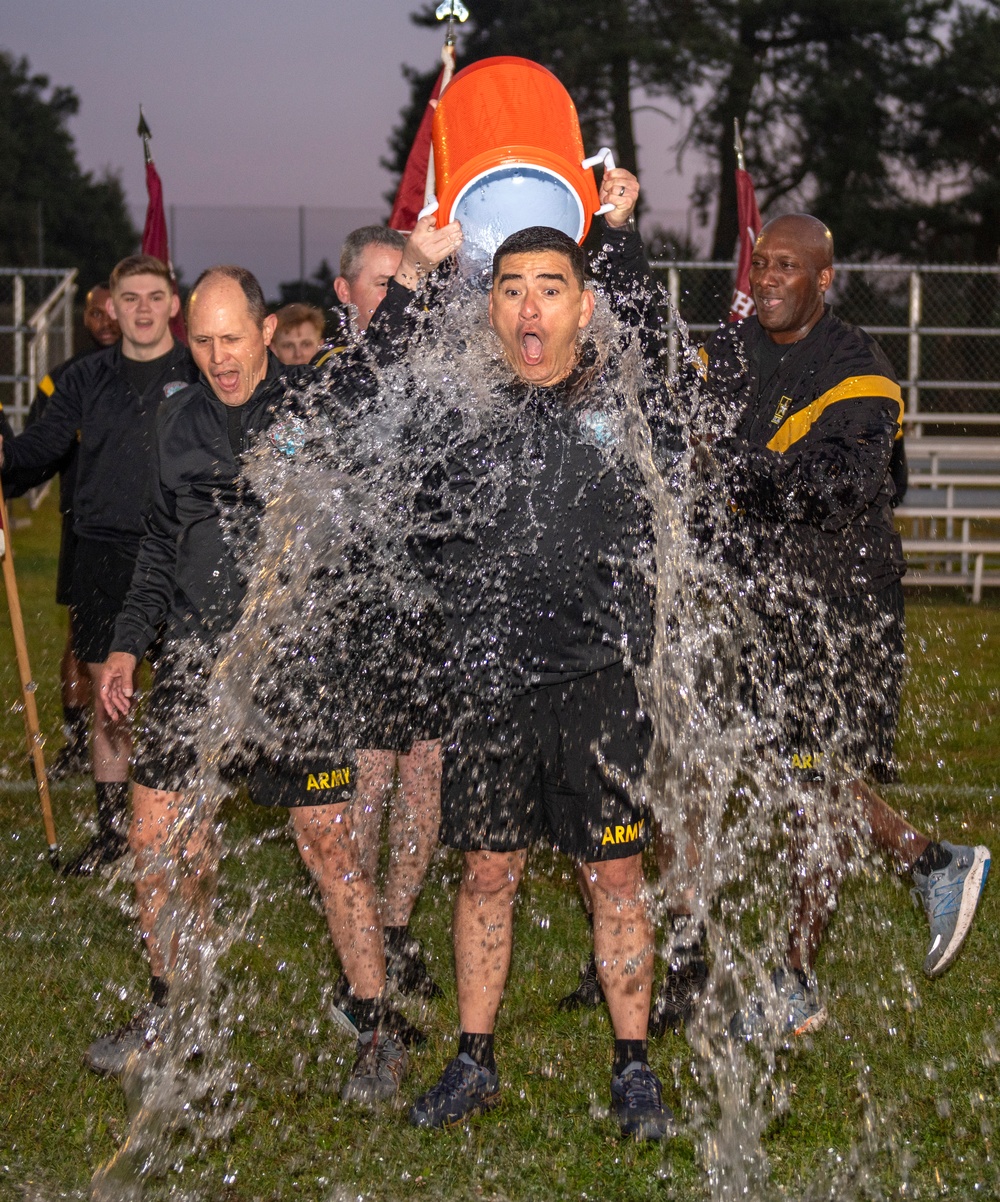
(779, 413)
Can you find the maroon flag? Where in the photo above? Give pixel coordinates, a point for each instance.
(154, 232)
(417, 178)
(748, 216)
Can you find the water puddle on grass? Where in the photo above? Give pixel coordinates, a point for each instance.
(341, 630)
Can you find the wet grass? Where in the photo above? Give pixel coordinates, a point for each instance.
(898, 1096)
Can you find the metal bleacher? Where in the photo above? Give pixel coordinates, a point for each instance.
(950, 518)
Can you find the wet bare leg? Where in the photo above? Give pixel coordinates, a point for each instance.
(679, 882)
(376, 771)
(74, 677)
(868, 819)
(484, 934)
(890, 832)
(623, 943)
(414, 822)
(327, 846)
(176, 862)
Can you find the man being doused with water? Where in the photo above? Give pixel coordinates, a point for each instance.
(538, 563)
(200, 534)
(806, 480)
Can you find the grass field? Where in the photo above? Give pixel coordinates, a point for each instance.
(898, 1097)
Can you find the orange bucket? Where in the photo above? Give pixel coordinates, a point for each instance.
(508, 154)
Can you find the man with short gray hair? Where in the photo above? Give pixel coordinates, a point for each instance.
(369, 259)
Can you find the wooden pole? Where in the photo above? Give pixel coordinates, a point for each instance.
(31, 727)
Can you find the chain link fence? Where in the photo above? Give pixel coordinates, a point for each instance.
(939, 326)
(280, 244)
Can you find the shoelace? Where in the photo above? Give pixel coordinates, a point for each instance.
(941, 899)
(457, 1075)
(641, 1089)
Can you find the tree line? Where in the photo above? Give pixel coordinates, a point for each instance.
(881, 117)
(52, 212)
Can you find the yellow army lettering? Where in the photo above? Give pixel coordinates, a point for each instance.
(336, 778)
(624, 834)
(807, 761)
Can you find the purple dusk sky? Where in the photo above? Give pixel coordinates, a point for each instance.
(249, 102)
(258, 104)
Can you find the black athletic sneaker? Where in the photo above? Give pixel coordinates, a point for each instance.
(675, 1000)
(392, 1024)
(105, 848)
(465, 1089)
(110, 1054)
(588, 993)
(637, 1100)
(405, 968)
(72, 759)
(378, 1070)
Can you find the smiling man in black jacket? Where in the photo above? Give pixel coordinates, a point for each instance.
(108, 401)
(811, 534)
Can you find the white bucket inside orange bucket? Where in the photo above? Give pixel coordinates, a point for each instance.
(508, 154)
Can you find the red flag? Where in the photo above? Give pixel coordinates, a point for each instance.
(748, 216)
(411, 194)
(154, 238)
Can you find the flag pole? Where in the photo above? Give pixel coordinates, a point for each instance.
(154, 232)
(738, 146)
(145, 133)
(450, 10)
(749, 224)
(31, 727)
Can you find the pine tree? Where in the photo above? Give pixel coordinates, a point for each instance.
(85, 222)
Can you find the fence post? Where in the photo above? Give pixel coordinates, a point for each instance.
(674, 292)
(18, 346)
(68, 321)
(913, 349)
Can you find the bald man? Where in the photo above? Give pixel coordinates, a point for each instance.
(189, 583)
(807, 476)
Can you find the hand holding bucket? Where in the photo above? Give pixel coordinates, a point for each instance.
(508, 154)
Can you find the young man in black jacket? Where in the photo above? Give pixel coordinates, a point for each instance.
(189, 580)
(108, 402)
(544, 524)
(74, 756)
(807, 478)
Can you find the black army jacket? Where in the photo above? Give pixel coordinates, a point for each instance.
(807, 469)
(202, 518)
(93, 400)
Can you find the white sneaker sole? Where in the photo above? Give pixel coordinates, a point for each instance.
(813, 1023)
(971, 892)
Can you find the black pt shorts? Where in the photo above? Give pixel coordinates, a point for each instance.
(825, 680)
(67, 558)
(563, 762)
(172, 753)
(102, 573)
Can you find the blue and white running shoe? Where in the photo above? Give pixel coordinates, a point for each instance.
(950, 896)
